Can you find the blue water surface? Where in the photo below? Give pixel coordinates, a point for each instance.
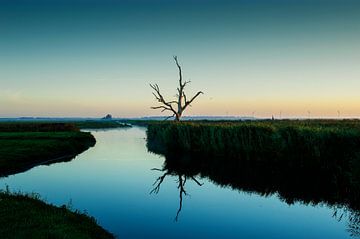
(112, 182)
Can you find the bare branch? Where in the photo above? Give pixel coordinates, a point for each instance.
(181, 193)
(160, 107)
(158, 169)
(192, 99)
(196, 181)
(184, 98)
(158, 183)
(161, 99)
(169, 117)
(180, 72)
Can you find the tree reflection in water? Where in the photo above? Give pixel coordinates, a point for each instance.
(310, 186)
(181, 181)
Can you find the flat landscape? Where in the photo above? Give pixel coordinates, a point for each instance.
(179, 119)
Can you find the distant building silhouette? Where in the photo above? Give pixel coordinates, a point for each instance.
(107, 117)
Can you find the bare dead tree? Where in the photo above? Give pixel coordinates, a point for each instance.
(178, 106)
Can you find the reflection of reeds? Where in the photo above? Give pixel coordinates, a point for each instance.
(311, 162)
(354, 224)
(307, 185)
(352, 217)
(325, 147)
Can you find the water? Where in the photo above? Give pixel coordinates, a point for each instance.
(113, 180)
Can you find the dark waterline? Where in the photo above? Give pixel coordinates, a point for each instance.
(113, 180)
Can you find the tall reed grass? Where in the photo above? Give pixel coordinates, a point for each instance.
(305, 143)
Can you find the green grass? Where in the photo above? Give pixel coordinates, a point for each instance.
(51, 125)
(322, 143)
(312, 160)
(20, 151)
(25, 216)
(36, 127)
(23, 146)
(26, 144)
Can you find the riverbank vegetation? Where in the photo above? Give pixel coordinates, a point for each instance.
(26, 216)
(315, 141)
(23, 146)
(26, 145)
(328, 147)
(56, 125)
(311, 162)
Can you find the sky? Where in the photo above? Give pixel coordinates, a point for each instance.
(87, 58)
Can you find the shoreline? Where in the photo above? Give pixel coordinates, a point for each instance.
(26, 146)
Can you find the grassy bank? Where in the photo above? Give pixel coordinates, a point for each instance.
(36, 127)
(318, 143)
(25, 216)
(56, 125)
(23, 146)
(20, 151)
(26, 144)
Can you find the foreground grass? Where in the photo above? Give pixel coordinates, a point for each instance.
(23, 146)
(25, 216)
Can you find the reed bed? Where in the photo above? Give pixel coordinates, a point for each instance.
(324, 143)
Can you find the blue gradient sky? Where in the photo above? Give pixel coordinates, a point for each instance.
(89, 58)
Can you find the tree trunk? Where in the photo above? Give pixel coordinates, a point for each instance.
(177, 117)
